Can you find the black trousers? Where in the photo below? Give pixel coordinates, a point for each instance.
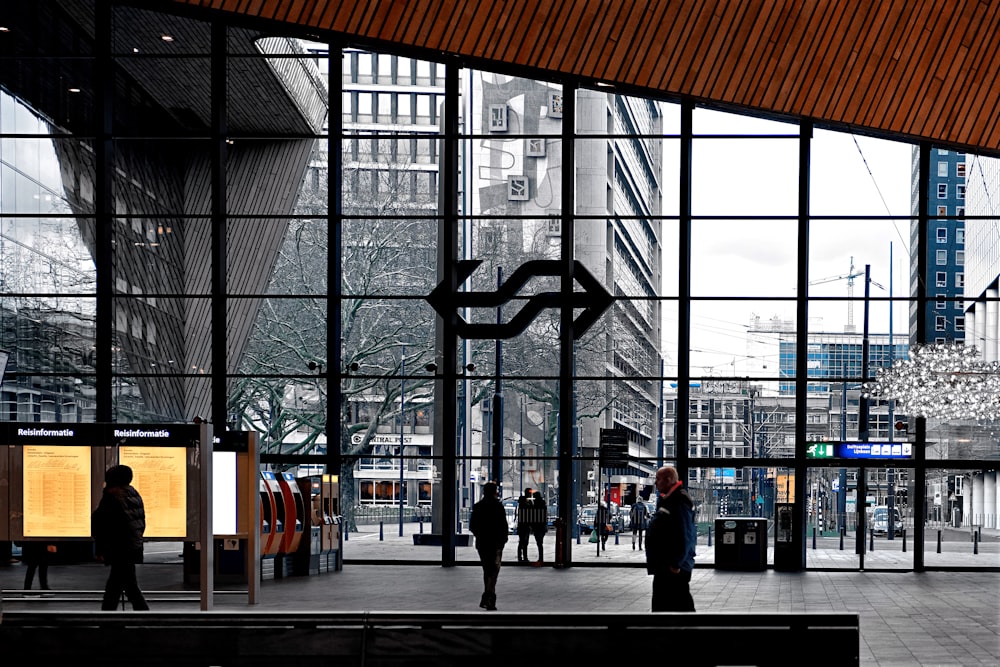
(672, 592)
(121, 579)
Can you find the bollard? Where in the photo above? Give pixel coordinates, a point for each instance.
(814, 538)
(939, 542)
(709, 536)
(904, 540)
(842, 531)
(871, 539)
(616, 538)
(422, 526)
(379, 531)
(975, 542)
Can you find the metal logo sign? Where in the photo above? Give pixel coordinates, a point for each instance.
(593, 300)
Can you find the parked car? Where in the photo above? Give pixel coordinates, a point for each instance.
(880, 521)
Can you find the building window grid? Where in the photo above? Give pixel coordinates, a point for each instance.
(959, 278)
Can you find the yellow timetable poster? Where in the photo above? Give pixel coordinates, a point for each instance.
(159, 474)
(56, 491)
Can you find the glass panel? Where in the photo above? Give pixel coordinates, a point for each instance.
(48, 334)
(160, 399)
(46, 176)
(295, 251)
(143, 31)
(739, 338)
(66, 105)
(283, 92)
(45, 398)
(287, 334)
(832, 527)
(174, 99)
(158, 335)
(46, 255)
(960, 504)
(858, 175)
(162, 177)
(714, 121)
(748, 250)
(746, 169)
(150, 254)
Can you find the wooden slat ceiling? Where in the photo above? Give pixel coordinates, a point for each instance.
(915, 69)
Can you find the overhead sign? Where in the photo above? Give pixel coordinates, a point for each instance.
(875, 450)
(859, 450)
(592, 301)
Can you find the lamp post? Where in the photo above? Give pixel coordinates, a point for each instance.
(402, 413)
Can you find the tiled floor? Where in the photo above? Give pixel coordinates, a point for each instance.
(907, 618)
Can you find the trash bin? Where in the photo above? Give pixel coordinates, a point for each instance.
(740, 543)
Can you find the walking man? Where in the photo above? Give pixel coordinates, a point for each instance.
(670, 544)
(489, 524)
(638, 516)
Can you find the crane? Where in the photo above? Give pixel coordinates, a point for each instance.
(849, 277)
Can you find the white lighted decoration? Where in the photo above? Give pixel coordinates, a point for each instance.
(943, 381)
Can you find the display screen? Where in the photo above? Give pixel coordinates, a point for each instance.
(56, 487)
(224, 471)
(159, 474)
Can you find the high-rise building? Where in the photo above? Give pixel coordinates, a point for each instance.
(945, 261)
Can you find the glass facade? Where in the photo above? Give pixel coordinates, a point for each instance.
(421, 276)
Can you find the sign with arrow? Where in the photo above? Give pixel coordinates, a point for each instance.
(593, 300)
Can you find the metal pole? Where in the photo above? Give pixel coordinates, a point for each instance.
(402, 390)
(498, 403)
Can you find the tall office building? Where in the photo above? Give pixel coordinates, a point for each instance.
(945, 261)
(982, 267)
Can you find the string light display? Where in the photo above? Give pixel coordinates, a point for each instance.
(941, 380)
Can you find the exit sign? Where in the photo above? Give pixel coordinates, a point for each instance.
(819, 450)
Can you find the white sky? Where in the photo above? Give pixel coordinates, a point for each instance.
(757, 258)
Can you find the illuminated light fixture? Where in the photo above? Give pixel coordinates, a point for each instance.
(135, 49)
(167, 38)
(4, 28)
(943, 381)
(229, 141)
(74, 90)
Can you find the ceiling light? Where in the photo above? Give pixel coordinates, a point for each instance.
(167, 38)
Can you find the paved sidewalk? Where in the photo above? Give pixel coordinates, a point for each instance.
(949, 618)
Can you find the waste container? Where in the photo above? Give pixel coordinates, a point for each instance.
(740, 543)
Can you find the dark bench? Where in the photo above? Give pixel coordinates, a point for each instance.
(387, 639)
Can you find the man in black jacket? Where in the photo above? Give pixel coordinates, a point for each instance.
(489, 524)
(118, 525)
(671, 536)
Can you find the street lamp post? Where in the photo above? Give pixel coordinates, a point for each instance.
(402, 412)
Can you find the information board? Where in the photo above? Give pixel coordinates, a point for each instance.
(159, 474)
(56, 491)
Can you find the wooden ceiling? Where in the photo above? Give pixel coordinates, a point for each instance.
(914, 69)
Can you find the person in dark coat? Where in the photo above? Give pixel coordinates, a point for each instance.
(539, 524)
(36, 556)
(489, 524)
(523, 525)
(118, 525)
(671, 536)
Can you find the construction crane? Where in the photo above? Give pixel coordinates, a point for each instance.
(849, 277)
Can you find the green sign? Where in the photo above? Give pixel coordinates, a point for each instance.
(819, 450)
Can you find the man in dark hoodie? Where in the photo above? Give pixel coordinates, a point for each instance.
(118, 525)
(671, 536)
